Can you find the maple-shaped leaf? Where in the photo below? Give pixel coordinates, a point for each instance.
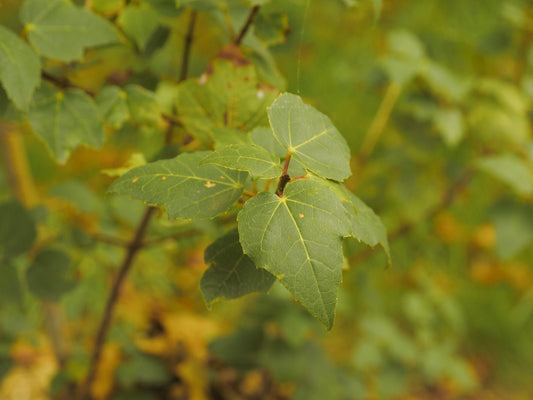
(309, 137)
(60, 30)
(298, 238)
(231, 96)
(183, 187)
(65, 120)
(19, 68)
(246, 157)
(232, 273)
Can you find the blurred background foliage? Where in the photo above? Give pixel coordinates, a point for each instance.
(434, 98)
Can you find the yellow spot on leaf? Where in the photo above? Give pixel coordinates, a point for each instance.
(134, 179)
(163, 178)
(301, 215)
(210, 184)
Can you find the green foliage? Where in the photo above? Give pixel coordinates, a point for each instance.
(231, 273)
(65, 119)
(189, 106)
(183, 187)
(309, 137)
(19, 68)
(50, 275)
(62, 31)
(17, 230)
(298, 238)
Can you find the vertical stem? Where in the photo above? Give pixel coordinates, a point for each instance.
(247, 25)
(184, 69)
(133, 248)
(189, 36)
(16, 166)
(380, 120)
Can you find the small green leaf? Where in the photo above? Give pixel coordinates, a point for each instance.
(310, 137)
(232, 274)
(514, 228)
(298, 238)
(19, 68)
(230, 97)
(10, 285)
(142, 369)
(131, 103)
(449, 123)
(511, 170)
(271, 28)
(50, 275)
(138, 22)
(142, 104)
(111, 102)
(17, 229)
(184, 188)
(65, 120)
(246, 157)
(60, 30)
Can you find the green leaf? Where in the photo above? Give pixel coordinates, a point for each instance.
(298, 238)
(143, 369)
(17, 229)
(60, 30)
(50, 275)
(111, 102)
(449, 123)
(65, 120)
(246, 157)
(310, 137)
(511, 170)
(232, 274)
(366, 226)
(142, 104)
(265, 138)
(138, 22)
(10, 285)
(19, 68)
(230, 97)
(226, 136)
(271, 28)
(514, 228)
(131, 103)
(184, 188)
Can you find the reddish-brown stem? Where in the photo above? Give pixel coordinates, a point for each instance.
(134, 246)
(298, 177)
(247, 25)
(284, 178)
(286, 165)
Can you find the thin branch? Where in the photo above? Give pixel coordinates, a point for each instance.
(380, 121)
(63, 82)
(103, 329)
(189, 36)
(247, 25)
